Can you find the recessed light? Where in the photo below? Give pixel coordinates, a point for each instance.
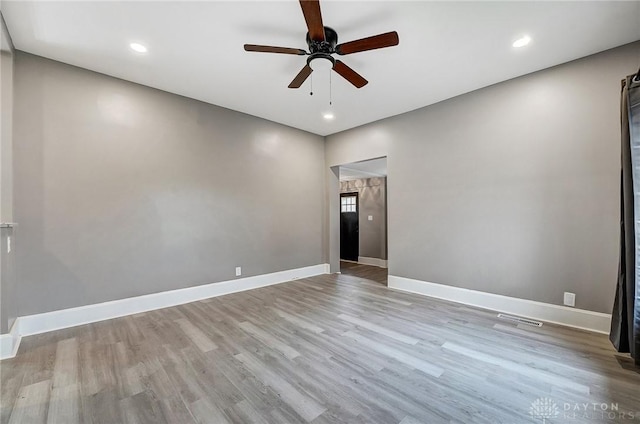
(521, 42)
(137, 47)
(328, 116)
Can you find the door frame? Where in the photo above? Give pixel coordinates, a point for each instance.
(331, 234)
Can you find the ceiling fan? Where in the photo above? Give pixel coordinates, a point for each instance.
(323, 42)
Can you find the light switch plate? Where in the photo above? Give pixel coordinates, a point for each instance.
(569, 299)
(9, 244)
(370, 217)
(238, 271)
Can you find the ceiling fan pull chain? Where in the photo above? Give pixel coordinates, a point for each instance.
(330, 98)
(311, 93)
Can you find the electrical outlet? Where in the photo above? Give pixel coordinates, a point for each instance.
(238, 271)
(569, 299)
(370, 217)
(9, 244)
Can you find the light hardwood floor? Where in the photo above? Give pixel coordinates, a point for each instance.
(328, 349)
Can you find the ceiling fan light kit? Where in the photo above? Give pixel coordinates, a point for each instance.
(322, 42)
(319, 65)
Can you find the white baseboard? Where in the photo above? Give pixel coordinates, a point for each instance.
(382, 263)
(10, 342)
(556, 314)
(66, 318)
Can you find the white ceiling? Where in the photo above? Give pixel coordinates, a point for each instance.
(196, 49)
(365, 169)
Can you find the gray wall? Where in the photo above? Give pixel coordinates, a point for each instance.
(372, 196)
(512, 189)
(6, 106)
(331, 228)
(123, 190)
(8, 296)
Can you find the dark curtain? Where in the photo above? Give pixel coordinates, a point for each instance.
(625, 324)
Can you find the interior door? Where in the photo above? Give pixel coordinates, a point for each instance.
(349, 243)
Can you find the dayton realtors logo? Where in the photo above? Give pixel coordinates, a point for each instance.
(545, 409)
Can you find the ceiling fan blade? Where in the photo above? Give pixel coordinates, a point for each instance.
(301, 77)
(271, 49)
(349, 74)
(313, 17)
(380, 41)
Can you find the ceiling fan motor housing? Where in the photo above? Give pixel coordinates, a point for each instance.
(327, 46)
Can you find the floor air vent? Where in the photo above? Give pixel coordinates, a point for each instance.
(520, 320)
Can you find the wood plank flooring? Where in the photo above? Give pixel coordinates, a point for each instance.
(328, 349)
(372, 273)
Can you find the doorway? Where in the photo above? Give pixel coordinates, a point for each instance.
(362, 219)
(349, 227)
